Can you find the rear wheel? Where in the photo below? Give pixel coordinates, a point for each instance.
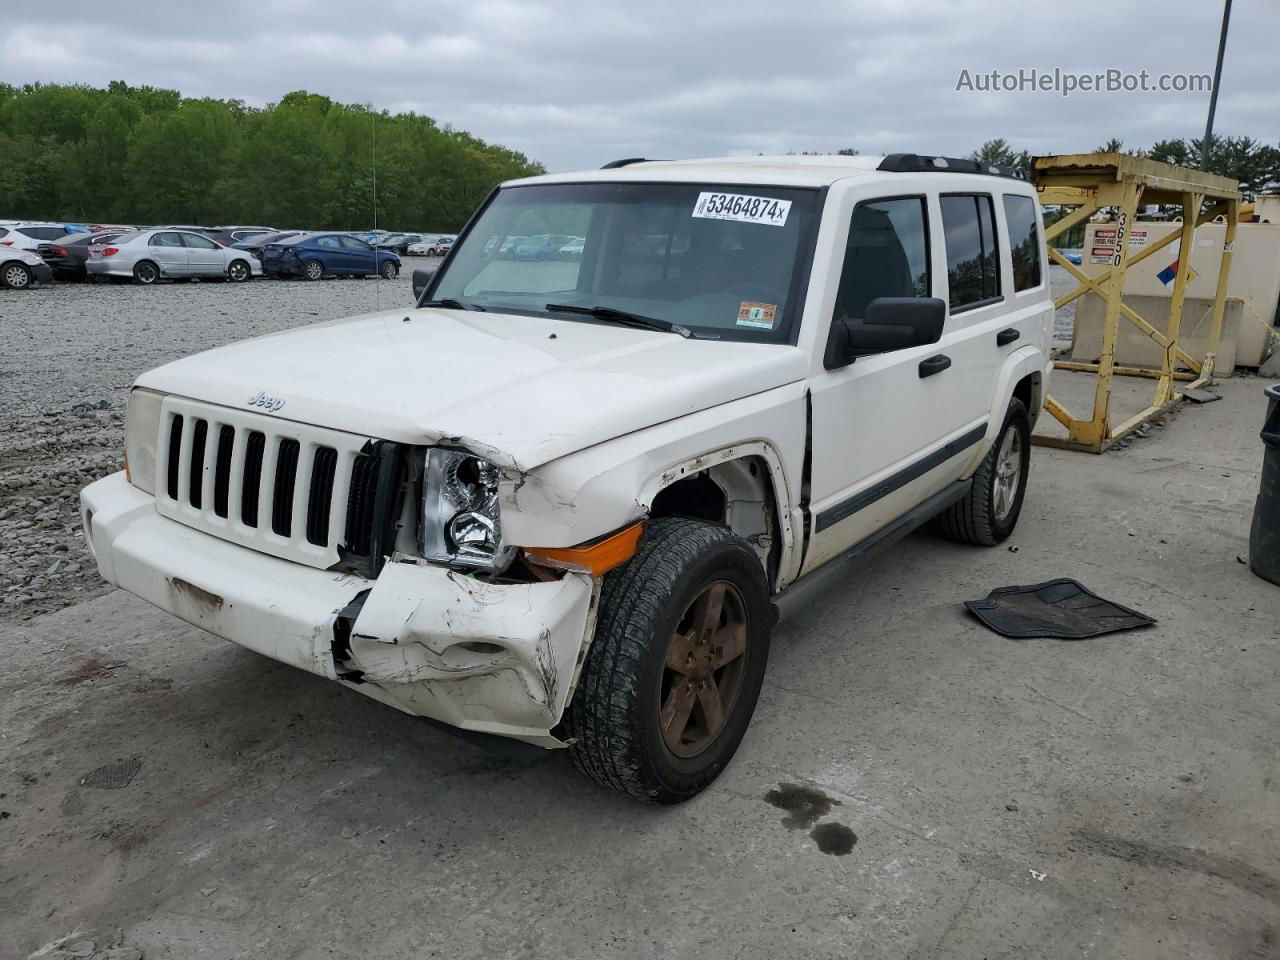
(146, 272)
(990, 511)
(388, 270)
(17, 276)
(672, 677)
(238, 271)
(313, 270)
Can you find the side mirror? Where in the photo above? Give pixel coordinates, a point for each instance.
(891, 323)
(421, 280)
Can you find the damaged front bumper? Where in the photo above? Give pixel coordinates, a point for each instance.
(487, 657)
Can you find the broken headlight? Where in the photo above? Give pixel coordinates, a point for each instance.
(461, 517)
(141, 433)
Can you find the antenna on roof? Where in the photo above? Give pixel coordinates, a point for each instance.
(377, 267)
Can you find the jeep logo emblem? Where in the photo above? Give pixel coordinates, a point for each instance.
(271, 404)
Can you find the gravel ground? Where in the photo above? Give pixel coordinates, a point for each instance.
(73, 351)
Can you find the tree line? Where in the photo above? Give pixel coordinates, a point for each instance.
(129, 154)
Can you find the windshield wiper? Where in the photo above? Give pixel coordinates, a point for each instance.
(624, 317)
(448, 303)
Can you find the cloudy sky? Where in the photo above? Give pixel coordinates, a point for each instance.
(574, 84)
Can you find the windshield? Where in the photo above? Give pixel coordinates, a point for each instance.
(720, 260)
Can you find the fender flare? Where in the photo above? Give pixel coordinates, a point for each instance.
(1017, 365)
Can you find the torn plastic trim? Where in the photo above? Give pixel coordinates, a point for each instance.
(498, 658)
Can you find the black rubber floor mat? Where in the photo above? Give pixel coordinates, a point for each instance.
(1058, 609)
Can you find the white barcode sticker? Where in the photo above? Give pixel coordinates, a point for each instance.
(739, 206)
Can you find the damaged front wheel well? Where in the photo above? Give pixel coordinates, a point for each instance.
(737, 493)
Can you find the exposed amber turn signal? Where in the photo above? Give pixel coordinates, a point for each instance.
(127, 475)
(594, 558)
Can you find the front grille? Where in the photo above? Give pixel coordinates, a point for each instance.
(306, 493)
(360, 503)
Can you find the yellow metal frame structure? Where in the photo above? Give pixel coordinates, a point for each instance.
(1094, 181)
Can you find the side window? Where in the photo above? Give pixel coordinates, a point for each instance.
(199, 242)
(329, 242)
(165, 240)
(351, 243)
(1024, 240)
(973, 260)
(887, 255)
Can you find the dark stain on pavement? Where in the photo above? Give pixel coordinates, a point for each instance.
(804, 805)
(833, 838)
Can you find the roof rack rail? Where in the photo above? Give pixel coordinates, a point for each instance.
(624, 162)
(920, 163)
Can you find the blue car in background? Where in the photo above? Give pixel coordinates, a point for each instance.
(316, 255)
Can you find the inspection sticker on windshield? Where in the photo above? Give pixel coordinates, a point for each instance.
(759, 316)
(739, 206)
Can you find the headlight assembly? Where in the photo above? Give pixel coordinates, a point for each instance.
(461, 518)
(141, 433)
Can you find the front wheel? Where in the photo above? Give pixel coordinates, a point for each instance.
(988, 514)
(672, 677)
(388, 270)
(17, 276)
(238, 271)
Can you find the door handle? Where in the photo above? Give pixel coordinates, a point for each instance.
(934, 365)
(1007, 336)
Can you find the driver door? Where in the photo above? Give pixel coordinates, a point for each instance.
(892, 429)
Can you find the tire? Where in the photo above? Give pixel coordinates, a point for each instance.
(239, 272)
(614, 721)
(146, 272)
(17, 276)
(388, 270)
(990, 511)
(312, 270)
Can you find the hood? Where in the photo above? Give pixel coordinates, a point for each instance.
(521, 390)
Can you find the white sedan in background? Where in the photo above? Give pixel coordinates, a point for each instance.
(151, 255)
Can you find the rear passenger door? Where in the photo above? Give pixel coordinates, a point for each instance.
(892, 429)
(169, 253)
(335, 258)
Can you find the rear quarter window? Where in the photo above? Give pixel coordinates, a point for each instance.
(1024, 241)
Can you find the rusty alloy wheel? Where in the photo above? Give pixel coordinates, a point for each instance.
(704, 668)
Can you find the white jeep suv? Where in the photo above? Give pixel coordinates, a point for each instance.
(565, 499)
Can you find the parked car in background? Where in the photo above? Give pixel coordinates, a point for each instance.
(573, 249)
(29, 236)
(229, 236)
(442, 246)
(150, 255)
(421, 248)
(68, 255)
(508, 247)
(544, 246)
(398, 242)
(19, 268)
(315, 255)
(254, 244)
